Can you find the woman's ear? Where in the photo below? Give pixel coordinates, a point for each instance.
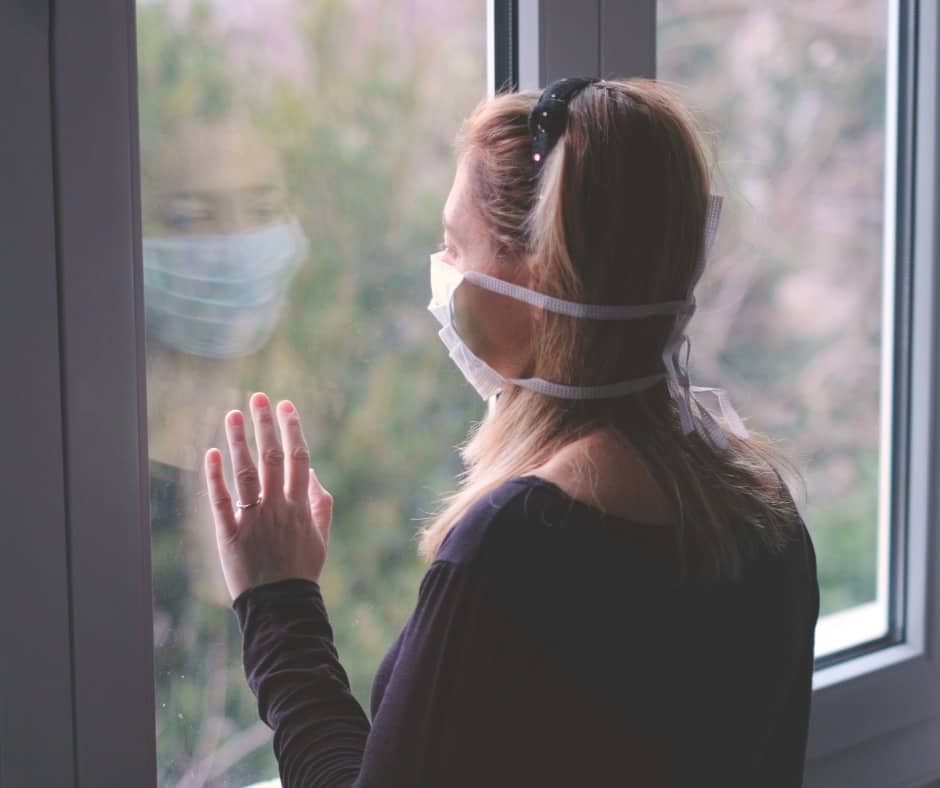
(529, 268)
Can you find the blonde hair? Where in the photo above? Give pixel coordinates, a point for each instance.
(616, 216)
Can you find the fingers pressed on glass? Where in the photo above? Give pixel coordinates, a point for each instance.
(247, 481)
(296, 451)
(270, 453)
(221, 501)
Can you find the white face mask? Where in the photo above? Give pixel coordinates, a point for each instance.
(445, 279)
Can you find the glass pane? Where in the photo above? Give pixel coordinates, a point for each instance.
(792, 318)
(295, 159)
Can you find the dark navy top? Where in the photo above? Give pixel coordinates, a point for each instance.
(550, 645)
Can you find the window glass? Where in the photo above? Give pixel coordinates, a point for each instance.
(295, 158)
(793, 96)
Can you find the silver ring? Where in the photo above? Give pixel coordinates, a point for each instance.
(241, 505)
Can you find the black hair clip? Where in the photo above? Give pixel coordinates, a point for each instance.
(549, 116)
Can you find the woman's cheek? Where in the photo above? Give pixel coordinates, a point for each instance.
(495, 327)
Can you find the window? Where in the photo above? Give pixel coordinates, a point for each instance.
(118, 163)
(294, 161)
(798, 302)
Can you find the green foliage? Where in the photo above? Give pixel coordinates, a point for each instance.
(845, 536)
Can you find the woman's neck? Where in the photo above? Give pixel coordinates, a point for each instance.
(609, 474)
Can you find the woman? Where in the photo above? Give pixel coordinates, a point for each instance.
(621, 592)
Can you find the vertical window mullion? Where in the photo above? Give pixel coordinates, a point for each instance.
(104, 412)
(37, 737)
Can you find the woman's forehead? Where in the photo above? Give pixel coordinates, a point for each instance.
(458, 216)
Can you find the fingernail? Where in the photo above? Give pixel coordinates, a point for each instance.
(287, 406)
(261, 400)
(235, 418)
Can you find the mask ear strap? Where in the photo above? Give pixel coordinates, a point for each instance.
(572, 308)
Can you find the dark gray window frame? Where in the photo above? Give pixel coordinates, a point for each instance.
(77, 678)
(76, 686)
(81, 423)
(36, 710)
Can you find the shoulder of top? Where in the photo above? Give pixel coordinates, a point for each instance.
(499, 518)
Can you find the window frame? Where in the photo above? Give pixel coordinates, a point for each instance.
(36, 684)
(79, 691)
(103, 362)
(77, 688)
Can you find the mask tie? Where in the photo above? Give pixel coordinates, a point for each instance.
(683, 392)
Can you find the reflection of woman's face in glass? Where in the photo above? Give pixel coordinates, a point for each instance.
(216, 178)
(208, 212)
(219, 247)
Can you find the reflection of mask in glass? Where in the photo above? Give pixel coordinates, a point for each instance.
(220, 295)
(445, 280)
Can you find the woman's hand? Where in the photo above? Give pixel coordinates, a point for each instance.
(287, 534)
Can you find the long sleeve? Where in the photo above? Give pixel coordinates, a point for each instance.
(303, 692)
(322, 736)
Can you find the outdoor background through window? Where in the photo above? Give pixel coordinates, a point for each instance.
(295, 159)
(793, 94)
